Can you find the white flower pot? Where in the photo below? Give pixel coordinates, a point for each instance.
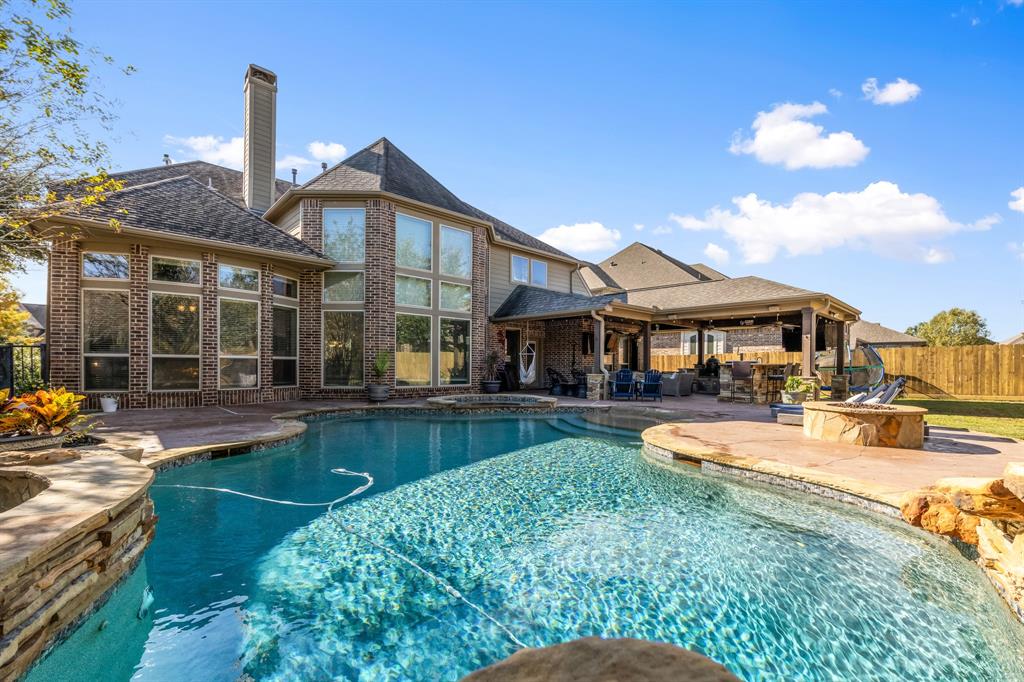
(108, 404)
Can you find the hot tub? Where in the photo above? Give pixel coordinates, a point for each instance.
(887, 426)
(492, 400)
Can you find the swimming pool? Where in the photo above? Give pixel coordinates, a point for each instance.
(552, 528)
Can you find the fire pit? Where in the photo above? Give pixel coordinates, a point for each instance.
(887, 426)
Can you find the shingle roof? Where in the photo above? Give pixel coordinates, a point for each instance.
(718, 292)
(708, 271)
(639, 265)
(876, 334)
(38, 313)
(227, 181)
(596, 278)
(383, 167)
(1015, 339)
(184, 206)
(527, 301)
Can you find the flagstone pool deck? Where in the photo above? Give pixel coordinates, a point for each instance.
(698, 429)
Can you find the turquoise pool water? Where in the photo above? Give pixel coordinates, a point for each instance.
(556, 529)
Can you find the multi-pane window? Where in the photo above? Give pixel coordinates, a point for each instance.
(538, 273)
(454, 351)
(104, 265)
(414, 291)
(345, 234)
(286, 346)
(412, 352)
(456, 297)
(343, 287)
(174, 342)
(105, 340)
(529, 271)
(175, 270)
(235, 277)
(520, 269)
(285, 286)
(239, 343)
(456, 252)
(343, 348)
(413, 242)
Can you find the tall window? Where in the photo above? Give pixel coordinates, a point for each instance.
(239, 343)
(456, 297)
(105, 340)
(235, 277)
(456, 252)
(343, 287)
(286, 346)
(104, 265)
(520, 269)
(345, 234)
(538, 273)
(414, 291)
(454, 358)
(412, 353)
(343, 348)
(175, 270)
(413, 242)
(174, 342)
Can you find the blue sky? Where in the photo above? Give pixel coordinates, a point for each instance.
(601, 117)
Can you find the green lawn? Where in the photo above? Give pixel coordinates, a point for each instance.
(1001, 418)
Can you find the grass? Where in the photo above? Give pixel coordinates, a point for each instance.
(1000, 418)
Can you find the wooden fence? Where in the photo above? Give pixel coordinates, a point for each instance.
(994, 372)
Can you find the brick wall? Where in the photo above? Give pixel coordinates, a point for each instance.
(266, 390)
(479, 350)
(138, 316)
(310, 330)
(561, 337)
(379, 294)
(753, 340)
(209, 343)
(63, 330)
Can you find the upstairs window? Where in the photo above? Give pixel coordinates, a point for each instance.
(414, 242)
(175, 270)
(456, 297)
(345, 234)
(520, 269)
(456, 252)
(538, 273)
(285, 286)
(414, 291)
(529, 271)
(104, 265)
(343, 287)
(235, 277)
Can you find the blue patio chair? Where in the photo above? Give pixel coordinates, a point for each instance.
(651, 387)
(622, 386)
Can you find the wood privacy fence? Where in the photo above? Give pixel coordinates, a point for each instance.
(970, 372)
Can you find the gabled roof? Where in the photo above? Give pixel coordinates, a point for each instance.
(227, 181)
(527, 301)
(639, 265)
(38, 313)
(383, 167)
(876, 334)
(1015, 339)
(185, 207)
(708, 271)
(718, 292)
(597, 279)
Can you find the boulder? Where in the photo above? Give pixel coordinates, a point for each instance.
(1013, 478)
(935, 512)
(593, 659)
(987, 497)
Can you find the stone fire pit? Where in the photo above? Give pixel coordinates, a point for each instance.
(887, 426)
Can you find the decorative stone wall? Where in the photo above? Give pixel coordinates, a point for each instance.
(19, 486)
(887, 426)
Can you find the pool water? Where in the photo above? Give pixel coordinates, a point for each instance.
(554, 527)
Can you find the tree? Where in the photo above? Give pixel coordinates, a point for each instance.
(48, 103)
(953, 327)
(13, 318)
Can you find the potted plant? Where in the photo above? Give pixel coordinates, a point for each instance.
(796, 390)
(39, 419)
(108, 403)
(379, 391)
(490, 383)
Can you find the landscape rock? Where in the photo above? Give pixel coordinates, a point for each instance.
(1013, 478)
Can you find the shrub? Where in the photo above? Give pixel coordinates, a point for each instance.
(799, 385)
(40, 413)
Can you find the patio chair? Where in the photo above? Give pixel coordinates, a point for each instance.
(580, 377)
(556, 380)
(651, 386)
(622, 385)
(890, 393)
(742, 382)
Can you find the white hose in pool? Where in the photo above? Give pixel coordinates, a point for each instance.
(437, 580)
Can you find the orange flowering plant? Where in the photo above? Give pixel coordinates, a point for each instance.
(42, 413)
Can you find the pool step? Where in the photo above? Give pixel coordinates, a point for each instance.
(575, 426)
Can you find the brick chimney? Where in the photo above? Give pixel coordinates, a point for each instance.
(260, 90)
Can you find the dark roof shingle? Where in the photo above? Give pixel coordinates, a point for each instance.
(527, 301)
(717, 292)
(227, 181)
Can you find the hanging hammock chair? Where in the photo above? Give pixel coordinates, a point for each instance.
(527, 361)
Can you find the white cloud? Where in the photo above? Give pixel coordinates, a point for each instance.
(716, 253)
(661, 229)
(784, 137)
(1015, 3)
(835, 92)
(1017, 249)
(1018, 196)
(331, 152)
(688, 222)
(582, 237)
(900, 91)
(639, 227)
(211, 148)
(881, 218)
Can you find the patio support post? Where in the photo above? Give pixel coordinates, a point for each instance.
(840, 346)
(647, 346)
(598, 344)
(807, 340)
(700, 345)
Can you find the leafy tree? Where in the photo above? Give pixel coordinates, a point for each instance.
(49, 103)
(13, 318)
(953, 327)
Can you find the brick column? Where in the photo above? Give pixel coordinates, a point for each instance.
(310, 323)
(266, 332)
(138, 345)
(479, 351)
(311, 223)
(379, 294)
(63, 331)
(209, 343)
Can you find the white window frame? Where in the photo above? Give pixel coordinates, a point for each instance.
(259, 277)
(440, 306)
(512, 268)
(323, 288)
(433, 352)
(290, 279)
(197, 357)
(429, 281)
(440, 269)
(81, 268)
(323, 230)
(422, 220)
(323, 342)
(469, 352)
(295, 357)
(198, 285)
(547, 271)
(222, 356)
(81, 325)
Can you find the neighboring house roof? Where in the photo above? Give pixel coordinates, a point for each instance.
(597, 279)
(38, 315)
(639, 265)
(708, 271)
(184, 206)
(877, 335)
(227, 181)
(383, 167)
(719, 292)
(527, 301)
(1014, 340)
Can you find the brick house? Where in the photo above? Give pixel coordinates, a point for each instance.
(223, 287)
